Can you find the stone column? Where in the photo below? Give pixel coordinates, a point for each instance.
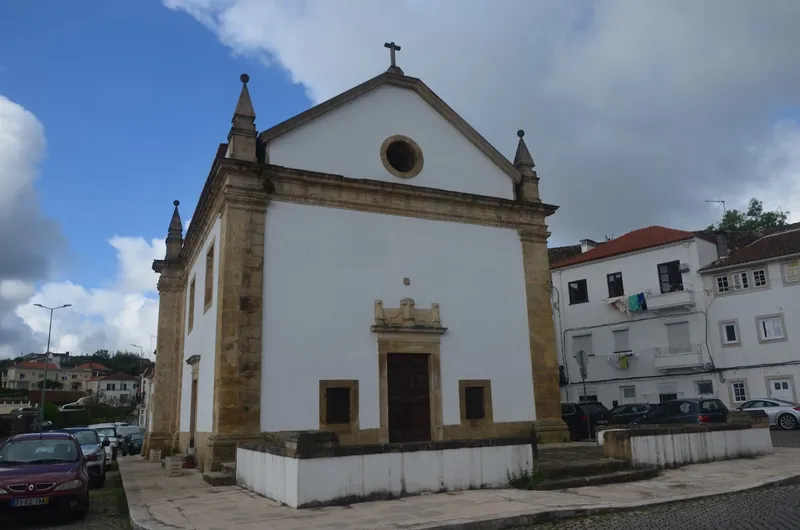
(237, 368)
(169, 355)
(550, 428)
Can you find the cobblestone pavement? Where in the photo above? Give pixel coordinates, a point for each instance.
(786, 438)
(107, 511)
(764, 509)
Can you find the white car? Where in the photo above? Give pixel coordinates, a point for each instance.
(108, 430)
(783, 414)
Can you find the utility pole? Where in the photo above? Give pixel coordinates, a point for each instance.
(141, 353)
(47, 359)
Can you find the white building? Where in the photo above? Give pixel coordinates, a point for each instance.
(754, 318)
(117, 388)
(635, 354)
(373, 267)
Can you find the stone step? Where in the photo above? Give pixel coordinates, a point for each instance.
(218, 478)
(563, 470)
(615, 477)
(229, 468)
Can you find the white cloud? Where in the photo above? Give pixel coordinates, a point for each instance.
(111, 318)
(636, 110)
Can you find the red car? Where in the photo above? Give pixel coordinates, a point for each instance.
(43, 473)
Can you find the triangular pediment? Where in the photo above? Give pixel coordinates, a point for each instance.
(400, 81)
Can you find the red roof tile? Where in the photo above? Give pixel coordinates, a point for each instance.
(652, 236)
(35, 365)
(93, 366)
(772, 246)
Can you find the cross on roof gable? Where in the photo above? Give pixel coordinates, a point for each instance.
(401, 81)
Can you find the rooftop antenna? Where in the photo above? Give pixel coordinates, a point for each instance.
(724, 210)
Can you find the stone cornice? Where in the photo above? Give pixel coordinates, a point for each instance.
(322, 189)
(253, 185)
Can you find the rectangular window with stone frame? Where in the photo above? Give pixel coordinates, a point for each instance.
(475, 397)
(338, 405)
(192, 288)
(208, 298)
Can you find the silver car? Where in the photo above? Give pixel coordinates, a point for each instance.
(783, 414)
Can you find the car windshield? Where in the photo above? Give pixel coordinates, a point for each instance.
(38, 451)
(106, 431)
(137, 437)
(86, 437)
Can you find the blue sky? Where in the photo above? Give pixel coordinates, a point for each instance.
(134, 99)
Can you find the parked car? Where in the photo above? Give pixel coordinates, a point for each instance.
(693, 410)
(93, 449)
(109, 431)
(43, 473)
(132, 443)
(575, 416)
(625, 414)
(783, 414)
(70, 407)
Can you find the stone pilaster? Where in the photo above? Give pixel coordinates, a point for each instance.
(169, 365)
(237, 369)
(550, 427)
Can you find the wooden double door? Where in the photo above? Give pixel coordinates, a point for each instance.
(408, 381)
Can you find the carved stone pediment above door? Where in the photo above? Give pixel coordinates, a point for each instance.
(407, 318)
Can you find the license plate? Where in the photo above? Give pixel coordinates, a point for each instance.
(602, 422)
(30, 502)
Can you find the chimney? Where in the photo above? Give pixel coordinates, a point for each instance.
(587, 245)
(722, 244)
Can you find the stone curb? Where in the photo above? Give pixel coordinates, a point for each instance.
(527, 519)
(144, 521)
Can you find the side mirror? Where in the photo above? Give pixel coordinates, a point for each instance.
(106, 442)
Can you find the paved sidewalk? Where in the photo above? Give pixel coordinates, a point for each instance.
(187, 502)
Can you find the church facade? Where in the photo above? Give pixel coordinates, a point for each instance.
(373, 267)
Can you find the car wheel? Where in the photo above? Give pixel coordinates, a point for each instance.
(83, 512)
(787, 422)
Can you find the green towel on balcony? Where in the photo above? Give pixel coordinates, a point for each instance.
(633, 303)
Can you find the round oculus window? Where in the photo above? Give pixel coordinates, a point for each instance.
(401, 156)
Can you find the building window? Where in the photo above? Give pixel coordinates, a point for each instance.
(209, 280)
(760, 277)
(111, 386)
(722, 284)
(667, 392)
(582, 343)
(729, 331)
(589, 398)
(621, 341)
(476, 401)
(738, 391)
(401, 156)
(124, 386)
(628, 392)
(578, 293)
(791, 271)
(740, 281)
(669, 276)
(704, 387)
(338, 405)
(615, 287)
(667, 397)
(678, 337)
(770, 328)
(192, 288)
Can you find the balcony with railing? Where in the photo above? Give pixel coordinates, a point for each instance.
(669, 358)
(677, 299)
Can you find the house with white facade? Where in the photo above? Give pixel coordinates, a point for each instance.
(754, 318)
(116, 388)
(637, 306)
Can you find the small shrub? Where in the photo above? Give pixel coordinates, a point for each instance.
(525, 479)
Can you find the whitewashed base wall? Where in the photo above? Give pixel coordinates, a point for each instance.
(315, 481)
(671, 450)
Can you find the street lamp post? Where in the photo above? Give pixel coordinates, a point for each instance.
(47, 359)
(141, 354)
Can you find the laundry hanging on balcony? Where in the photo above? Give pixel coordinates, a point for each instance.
(620, 303)
(637, 302)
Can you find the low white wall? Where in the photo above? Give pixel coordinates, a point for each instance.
(671, 450)
(314, 481)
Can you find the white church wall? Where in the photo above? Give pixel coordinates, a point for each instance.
(347, 141)
(323, 270)
(201, 340)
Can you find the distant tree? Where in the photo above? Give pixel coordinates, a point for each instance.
(51, 385)
(754, 218)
